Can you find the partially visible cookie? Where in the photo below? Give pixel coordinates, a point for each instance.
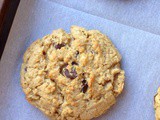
(74, 76)
(157, 105)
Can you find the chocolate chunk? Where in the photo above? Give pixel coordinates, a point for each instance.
(84, 86)
(59, 46)
(83, 81)
(66, 73)
(74, 63)
(69, 74)
(44, 53)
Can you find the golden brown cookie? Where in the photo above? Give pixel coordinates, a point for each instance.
(157, 105)
(74, 76)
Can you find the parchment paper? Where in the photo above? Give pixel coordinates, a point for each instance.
(141, 14)
(139, 49)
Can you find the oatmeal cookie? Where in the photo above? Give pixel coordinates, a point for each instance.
(75, 76)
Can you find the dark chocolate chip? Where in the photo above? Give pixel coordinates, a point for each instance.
(44, 53)
(84, 88)
(67, 73)
(71, 75)
(59, 46)
(74, 63)
(83, 81)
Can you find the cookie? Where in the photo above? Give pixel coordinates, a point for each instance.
(157, 105)
(74, 76)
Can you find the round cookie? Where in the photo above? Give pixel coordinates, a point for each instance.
(74, 76)
(157, 105)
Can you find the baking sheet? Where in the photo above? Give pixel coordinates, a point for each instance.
(139, 49)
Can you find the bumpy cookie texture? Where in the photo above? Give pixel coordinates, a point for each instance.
(74, 76)
(157, 105)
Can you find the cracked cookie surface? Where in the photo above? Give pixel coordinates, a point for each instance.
(74, 76)
(157, 105)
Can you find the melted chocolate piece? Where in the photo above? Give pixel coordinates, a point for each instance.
(69, 74)
(84, 86)
(83, 81)
(44, 53)
(59, 46)
(74, 63)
